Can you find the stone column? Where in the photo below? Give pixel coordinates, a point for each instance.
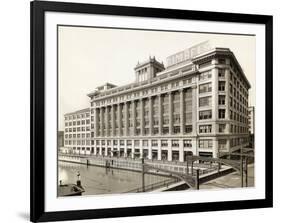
(126, 127)
(105, 146)
(215, 90)
(150, 115)
(96, 122)
(141, 148)
(142, 116)
(149, 156)
(181, 153)
(106, 122)
(113, 120)
(101, 121)
(215, 97)
(159, 150)
(182, 119)
(134, 117)
(133, 146)
(194, 147)
(171, 113)
(160, 113)
(227, 106)
(119, 118)
(194, 109)
(169, 150)
(215, 147)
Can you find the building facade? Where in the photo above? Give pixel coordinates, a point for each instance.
(252, 120)
(77, 132)
(60, 139)
(197, 105)
(252, 126)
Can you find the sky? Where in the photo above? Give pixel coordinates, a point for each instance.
(88, 57)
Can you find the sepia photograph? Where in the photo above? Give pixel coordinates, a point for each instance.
(154, 111)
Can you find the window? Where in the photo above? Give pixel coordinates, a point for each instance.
(222, 113)
(221, 72)
(221, 99)
(187, 143)
(154, 143)
(205, 101)
(166, 120)
(205, 143)
(221, 85)
(222, 127)
(145, 142)
(203, 88)
(188, 128)
(155, 131)
(175, 143)
(176, 129)
(176, 117)
(146, 131)
(129, 142)
(205, 128)
(175, 155)
(164, 143)
(166, 130)
(137, 143)
(205, 114)
(205, 75)
(138, 132)
(222, 144)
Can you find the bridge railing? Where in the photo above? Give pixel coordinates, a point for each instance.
(154, 186)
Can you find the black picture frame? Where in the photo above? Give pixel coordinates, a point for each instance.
(37, 107)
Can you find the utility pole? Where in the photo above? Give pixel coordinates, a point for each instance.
(241, 170)
(142, 171)
(197, 179)
(219, 164)
(191, 165)
(187, 169)
(246, 171)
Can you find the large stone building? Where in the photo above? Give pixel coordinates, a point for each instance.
(77, 132)
(197, 105)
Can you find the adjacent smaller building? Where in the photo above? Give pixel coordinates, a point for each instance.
(77, 134)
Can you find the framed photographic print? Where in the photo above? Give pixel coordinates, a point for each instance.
(144, 111)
